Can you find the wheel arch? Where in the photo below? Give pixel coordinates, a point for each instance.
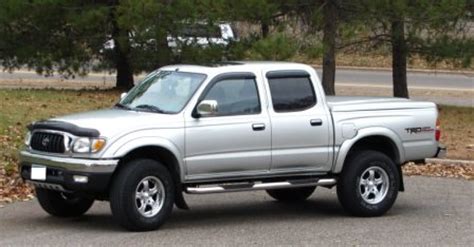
(154, 152)
(164, 155)
(379, 139)
(150, 147)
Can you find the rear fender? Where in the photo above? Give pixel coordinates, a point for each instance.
(367, 132)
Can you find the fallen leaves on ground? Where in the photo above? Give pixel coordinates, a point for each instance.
(12, 188)
(464, 171)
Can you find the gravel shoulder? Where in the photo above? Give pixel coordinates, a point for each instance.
(432, 211)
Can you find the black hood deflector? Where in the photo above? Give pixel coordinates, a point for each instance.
(64, 126)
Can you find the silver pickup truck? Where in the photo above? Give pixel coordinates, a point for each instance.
(235, 126)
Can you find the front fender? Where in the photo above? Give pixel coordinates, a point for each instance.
(122, 148)
(343, 150)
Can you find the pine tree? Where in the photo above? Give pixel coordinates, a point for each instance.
(68, 36)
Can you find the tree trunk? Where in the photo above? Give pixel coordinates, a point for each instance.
(329, 45)
(124, 78)
(399, 59)
(265, 29)
(124, 70)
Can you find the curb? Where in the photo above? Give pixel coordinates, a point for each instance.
(449, 161)
(427, 71)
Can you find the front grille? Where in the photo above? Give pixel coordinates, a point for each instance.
(47, 142)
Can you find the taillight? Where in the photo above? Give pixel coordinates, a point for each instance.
(438, 130)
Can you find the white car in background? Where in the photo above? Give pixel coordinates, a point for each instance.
(200, 34)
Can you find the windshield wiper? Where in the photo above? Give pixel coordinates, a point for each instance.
(122, 106)
(151, 108)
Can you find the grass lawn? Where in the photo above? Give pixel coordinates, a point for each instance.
(18, 108)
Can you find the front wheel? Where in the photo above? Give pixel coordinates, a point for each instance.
(61, 204)
(142, 195)
(369, 184)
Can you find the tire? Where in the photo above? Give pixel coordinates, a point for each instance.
(61, 204)
(138, 207)
(368, 185)
(291, 194)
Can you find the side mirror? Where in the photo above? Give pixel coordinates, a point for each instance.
(207, 108)
(123, 96)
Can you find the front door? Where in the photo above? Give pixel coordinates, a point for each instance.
(234, 142)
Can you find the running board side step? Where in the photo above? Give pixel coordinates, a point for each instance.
(236, 187)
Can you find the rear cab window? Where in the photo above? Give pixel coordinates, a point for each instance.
(291, 90)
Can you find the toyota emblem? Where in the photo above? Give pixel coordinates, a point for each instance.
(45, 142)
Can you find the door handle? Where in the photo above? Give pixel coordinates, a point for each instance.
(316, 122)
(258, 126)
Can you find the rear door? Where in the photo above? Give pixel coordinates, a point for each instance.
(300, 124)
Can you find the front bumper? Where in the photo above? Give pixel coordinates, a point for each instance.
(62, 171)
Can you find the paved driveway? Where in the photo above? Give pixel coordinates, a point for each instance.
(433, 211)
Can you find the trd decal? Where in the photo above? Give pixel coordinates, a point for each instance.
(416, 130)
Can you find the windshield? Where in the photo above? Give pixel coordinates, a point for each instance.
(163, 92)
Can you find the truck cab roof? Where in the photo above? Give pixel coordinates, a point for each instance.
(238, 66)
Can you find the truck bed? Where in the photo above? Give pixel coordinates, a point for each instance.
(354, 115)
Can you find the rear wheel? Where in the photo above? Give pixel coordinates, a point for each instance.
(142, 195)
(369, 184)
(63, 204)
(291, 194)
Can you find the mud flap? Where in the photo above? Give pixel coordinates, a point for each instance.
(179, 198)
(402, 185)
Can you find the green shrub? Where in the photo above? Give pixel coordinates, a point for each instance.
(313, 50)
(278, 46)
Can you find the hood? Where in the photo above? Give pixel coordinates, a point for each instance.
(112, 122)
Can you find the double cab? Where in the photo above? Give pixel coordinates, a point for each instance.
(234, 126)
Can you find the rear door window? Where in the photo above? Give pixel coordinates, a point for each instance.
(292, 92)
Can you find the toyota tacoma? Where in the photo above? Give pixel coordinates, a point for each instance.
(233, 126)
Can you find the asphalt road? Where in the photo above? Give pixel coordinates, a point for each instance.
(415, 79)
(381, 78)
(433, 211)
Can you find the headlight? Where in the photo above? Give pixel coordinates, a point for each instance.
(88, 145)
(27, 138)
